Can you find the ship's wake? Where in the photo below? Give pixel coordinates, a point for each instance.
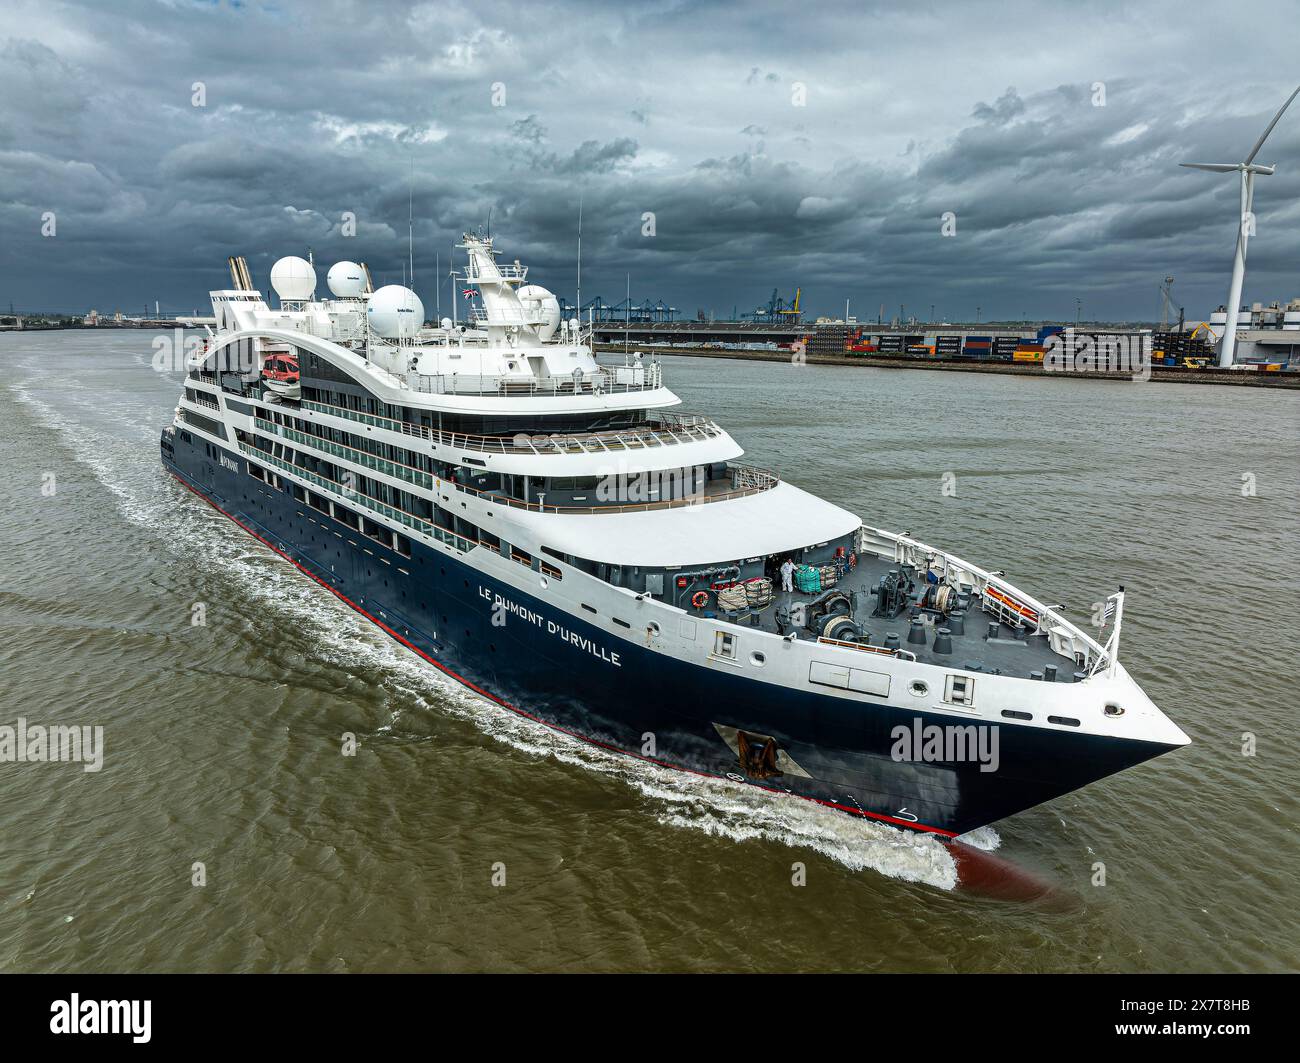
(681, 800)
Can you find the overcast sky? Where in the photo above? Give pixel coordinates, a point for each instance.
(690, 111)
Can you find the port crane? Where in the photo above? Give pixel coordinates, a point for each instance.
(777, 311)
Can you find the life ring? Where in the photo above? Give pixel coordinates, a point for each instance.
(700, 599)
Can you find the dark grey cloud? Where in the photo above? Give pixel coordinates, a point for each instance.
(686, 110)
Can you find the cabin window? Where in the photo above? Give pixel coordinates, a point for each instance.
(724, 645)
(959, 690)
(1012, 714)
(375, 531)
(1068, 721)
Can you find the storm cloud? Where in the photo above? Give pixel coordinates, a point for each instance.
(775, 145)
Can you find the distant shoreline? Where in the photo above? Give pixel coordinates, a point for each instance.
(1159, 374)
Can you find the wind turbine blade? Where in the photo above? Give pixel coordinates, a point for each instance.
(1213, 167)
(1260, 142)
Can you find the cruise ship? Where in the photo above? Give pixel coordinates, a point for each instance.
(549, 531)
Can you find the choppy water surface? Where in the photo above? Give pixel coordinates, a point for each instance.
(222, 741)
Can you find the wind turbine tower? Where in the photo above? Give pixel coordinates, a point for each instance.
(1247, 168)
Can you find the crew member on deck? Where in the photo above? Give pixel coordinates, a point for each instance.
(787, 575)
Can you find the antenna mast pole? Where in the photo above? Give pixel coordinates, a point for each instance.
(410, 223)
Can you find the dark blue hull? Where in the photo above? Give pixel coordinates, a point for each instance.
(616, 693)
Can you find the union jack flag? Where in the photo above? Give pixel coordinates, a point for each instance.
(469, 293)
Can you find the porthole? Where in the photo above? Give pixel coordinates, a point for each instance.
(759, 659)
(918, 689)
(1112, 709)
(545, 583)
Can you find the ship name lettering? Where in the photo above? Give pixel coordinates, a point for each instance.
(552, 628)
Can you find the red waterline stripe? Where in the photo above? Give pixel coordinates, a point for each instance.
(537, 719)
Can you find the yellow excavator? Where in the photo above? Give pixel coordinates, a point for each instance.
(1209, 337)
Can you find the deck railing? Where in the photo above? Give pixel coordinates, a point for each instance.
(508, 272)
(358, 457)
(603, 382)
(663, 430)
(747, 480)
(1065, 637)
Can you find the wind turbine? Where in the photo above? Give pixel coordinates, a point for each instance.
(1248, 169)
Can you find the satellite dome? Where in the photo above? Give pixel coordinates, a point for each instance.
(293, 279)
(346, 280)
(395, 312)
(538, 302)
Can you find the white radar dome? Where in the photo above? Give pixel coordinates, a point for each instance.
(346, 280)
(540, 303)
(395, 312)
(293, 278)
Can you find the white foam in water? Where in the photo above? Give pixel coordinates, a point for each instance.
(715, 807)
(985, 838)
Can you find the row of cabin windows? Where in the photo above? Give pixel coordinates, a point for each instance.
(349, 518)
(373, 489)
(415, 504)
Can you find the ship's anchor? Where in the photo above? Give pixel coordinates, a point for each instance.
(757, 755)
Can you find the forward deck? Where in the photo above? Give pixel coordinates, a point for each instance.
(1011, 651)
